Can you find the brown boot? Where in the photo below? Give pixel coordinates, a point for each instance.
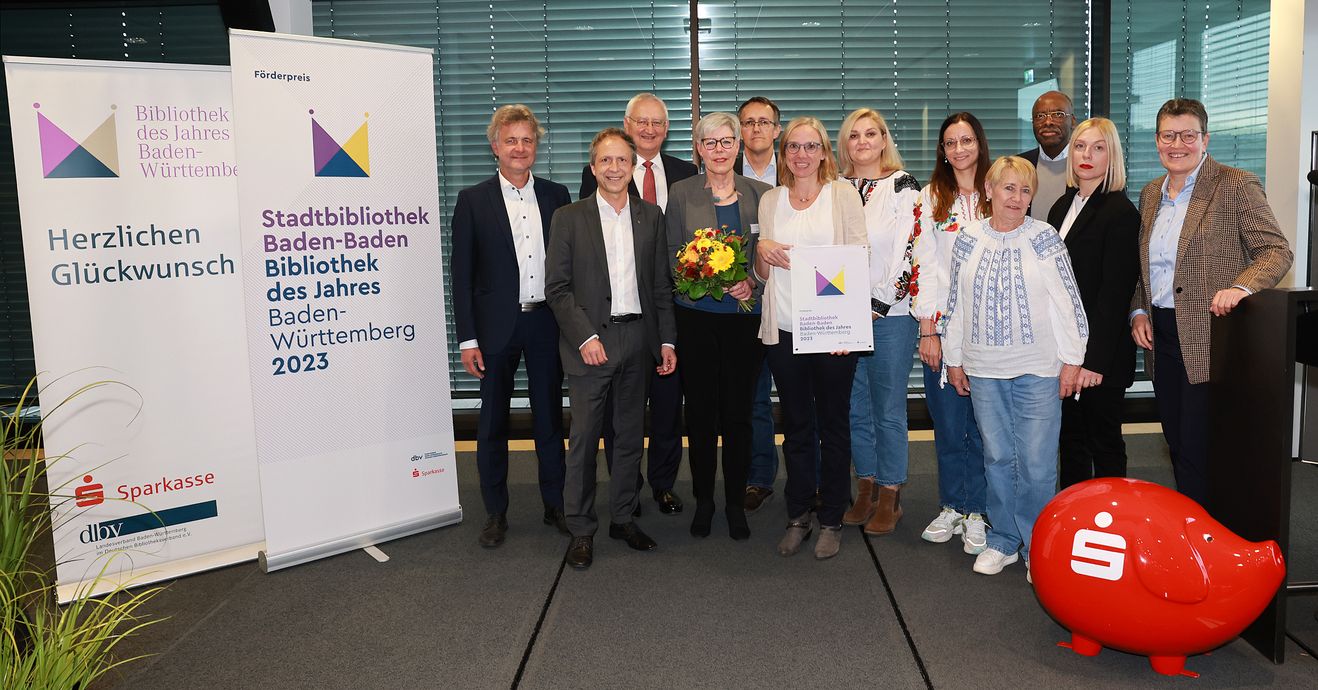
(863, 508)
(887, 512)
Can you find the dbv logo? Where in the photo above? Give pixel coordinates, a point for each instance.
(352, 159)
(1104, 553)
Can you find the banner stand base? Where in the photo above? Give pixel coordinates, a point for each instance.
(67, 592)
(272, 562)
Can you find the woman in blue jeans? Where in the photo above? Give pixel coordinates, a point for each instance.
(951, 200)
(1015, 341)
(869, 160)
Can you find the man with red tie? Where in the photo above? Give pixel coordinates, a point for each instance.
(646, 121)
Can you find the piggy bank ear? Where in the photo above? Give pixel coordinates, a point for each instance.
(1167, 563)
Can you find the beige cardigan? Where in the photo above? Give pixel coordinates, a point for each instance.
(848, 228)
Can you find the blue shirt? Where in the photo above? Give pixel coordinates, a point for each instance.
(1166, 238)
(729, 216)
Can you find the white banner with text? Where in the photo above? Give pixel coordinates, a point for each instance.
(344, 288)
(126, 179)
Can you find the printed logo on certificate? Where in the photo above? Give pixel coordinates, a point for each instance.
(831, 299)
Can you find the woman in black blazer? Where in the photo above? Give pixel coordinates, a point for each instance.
(1101, 229)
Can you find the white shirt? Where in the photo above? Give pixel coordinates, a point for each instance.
(889, 221)
(660, 180)
(770, 176)
(620, 252)
(812, 227)
(528, 242)
(1077, 205)
(528, 238)
(933, 253)
(1013, 304)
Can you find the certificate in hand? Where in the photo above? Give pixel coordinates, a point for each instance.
(831, 299)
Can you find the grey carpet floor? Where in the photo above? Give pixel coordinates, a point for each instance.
(888, 612)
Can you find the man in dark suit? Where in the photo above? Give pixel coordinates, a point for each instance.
(646, 122)
(500, 230)
(610, 288)
(1052, 118)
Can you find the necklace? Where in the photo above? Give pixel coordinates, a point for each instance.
(807, 198)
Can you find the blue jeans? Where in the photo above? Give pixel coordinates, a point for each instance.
(764, 452)
(1021, 419)
(956, 441)
(879, 440)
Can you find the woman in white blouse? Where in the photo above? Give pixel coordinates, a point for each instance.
(869, 160)
(1014, 343)
(812, 207)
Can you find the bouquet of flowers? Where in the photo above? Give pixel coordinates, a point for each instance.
(712, 262)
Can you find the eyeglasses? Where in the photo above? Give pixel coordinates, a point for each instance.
(1188, 136)
(647, 122)
(710, 144)
(809, 147)
(965, 142)
(761, 123)
(1051, 115)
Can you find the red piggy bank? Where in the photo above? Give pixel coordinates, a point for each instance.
(1138, 567)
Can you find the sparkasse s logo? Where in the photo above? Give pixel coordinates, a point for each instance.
(89, 493)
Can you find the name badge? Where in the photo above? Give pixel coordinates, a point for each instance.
(755, 228)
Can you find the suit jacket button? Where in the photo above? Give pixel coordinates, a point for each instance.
(1178, 291)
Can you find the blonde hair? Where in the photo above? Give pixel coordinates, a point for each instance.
(1115, 180)
(1014, 164)
(512, 114)
(890, 159)
(827, 168)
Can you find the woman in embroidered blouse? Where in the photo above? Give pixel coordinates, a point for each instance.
(869, 160)
(1014, 342)
(950, 201)
(723, 353)
(812, 207)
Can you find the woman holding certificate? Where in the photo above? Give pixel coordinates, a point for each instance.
(1015, 340)
(811, 207)
(717, 333)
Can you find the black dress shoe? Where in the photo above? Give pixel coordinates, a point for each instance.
(581, 552)
(632, 534)
(669, 503)
(704, 517)
(496, 528)
(554, 516)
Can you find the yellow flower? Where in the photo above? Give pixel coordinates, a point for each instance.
(721, 259)
(704, 243)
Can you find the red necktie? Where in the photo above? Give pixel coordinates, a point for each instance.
(647, 184)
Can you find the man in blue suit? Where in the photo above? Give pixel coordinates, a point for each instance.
(500, 231)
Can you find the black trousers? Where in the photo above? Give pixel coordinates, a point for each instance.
(721, 356)
(535, 337)
(1091, 443)
(665, 451)
(810, 388)
(1182, 409)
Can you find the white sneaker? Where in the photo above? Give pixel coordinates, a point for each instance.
(992, 561)
(1027, 573)
(973, 537)
(944, 526)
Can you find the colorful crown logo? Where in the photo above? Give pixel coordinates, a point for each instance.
(64, 156)
(352, 159)
(825, 287)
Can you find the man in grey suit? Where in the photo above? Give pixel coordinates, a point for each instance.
(609, 286)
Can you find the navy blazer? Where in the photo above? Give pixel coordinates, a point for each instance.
(1104, 246)
(485, 278)
(675, 170)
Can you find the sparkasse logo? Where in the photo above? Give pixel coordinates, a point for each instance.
(89, 493)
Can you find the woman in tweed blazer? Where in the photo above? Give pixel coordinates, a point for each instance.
(1208, 239)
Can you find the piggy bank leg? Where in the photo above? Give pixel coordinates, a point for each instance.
(1082, 645)
(1171, 666)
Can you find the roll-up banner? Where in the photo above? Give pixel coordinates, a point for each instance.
(126, 181)
(344, 286)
